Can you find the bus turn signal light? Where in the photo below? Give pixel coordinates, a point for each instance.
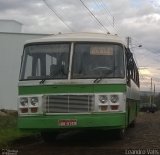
(114, 107)
(24, 110)
(104, 108)
(34, 109)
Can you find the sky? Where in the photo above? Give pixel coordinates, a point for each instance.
(138, 19)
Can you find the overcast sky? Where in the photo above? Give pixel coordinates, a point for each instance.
(139, 19)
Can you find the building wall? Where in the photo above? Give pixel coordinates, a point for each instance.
(10, 26)
(11, 48)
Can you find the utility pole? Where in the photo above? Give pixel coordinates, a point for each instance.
(128, 41)
(154, 90)
(151, 94)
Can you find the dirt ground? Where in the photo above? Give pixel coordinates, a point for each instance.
(144, 137)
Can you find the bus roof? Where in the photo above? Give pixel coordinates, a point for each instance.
(89, 37)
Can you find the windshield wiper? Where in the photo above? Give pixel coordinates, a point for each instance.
(97, 80)
(42, 81)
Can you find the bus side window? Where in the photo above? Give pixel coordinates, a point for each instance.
(128, 68)
(132, 70)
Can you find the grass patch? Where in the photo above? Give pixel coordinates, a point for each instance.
(9, 131)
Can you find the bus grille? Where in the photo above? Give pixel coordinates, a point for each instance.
(68, 103)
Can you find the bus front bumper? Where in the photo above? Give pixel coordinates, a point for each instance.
(73, 121)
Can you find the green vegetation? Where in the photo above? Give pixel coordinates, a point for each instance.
(8, 130)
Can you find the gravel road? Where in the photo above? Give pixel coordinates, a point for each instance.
(145, 137)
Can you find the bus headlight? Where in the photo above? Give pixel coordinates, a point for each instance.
(103, 98)
(34, 101)
(114, 98)
(24, 101)
(30, 105)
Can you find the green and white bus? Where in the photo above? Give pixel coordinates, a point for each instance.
(77, 81)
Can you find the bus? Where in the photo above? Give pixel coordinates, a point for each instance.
(77, 81)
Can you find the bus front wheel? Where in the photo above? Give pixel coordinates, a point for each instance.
(49, 136)
(133, 123)
(120, 133)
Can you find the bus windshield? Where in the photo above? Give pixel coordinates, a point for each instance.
(98, 60)
(89, 61)
(48, 61)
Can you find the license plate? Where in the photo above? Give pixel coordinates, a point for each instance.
(72, 122)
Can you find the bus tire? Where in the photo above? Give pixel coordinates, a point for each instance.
(132, 124)
(120, 134)
(49, 137)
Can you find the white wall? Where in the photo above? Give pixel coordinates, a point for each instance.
(11, 48)
(10, 26)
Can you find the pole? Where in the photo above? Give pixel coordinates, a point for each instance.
(154, 94)
(151, 94)
(128, 41)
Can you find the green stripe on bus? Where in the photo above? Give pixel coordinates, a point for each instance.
(46, 89)
(108, 120)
